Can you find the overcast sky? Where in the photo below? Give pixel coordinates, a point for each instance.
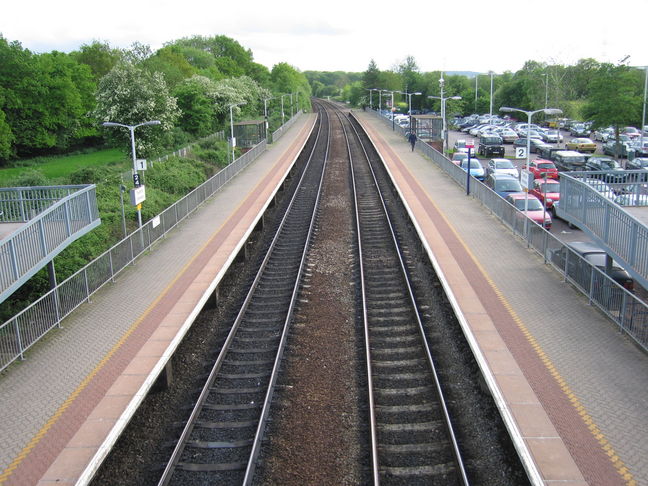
(336, 35)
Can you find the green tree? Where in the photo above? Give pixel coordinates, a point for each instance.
(371, 77)
(171, 62)
(131, 95)
(99, 56)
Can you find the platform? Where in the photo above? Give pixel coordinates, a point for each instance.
(566, 379)
(65, 406)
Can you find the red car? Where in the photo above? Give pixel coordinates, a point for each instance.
(534, 209)
(540, 167)
(549, 188)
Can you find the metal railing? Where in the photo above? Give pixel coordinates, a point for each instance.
(595, 206)
(276, 135)
(23, 330)
(54, 217)
(624, 308)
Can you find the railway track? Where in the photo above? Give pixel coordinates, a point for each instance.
(412, 439)
(222, 437)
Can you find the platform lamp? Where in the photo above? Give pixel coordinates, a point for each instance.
(392, 105)
(231, 110)
(409, 103)
(265, 114)
(546, 111)
(444, 129)
(132, 136)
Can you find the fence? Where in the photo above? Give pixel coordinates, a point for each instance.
(54, 215)
(276, 135)
(19, 333)
(628, 311)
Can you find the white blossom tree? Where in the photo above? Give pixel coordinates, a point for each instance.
(130, 95)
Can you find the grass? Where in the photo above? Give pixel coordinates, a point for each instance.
(61, 166)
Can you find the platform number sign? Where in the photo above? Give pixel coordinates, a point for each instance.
(520, 152)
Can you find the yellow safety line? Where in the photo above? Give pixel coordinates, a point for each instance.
(576, 403)
(86, 381)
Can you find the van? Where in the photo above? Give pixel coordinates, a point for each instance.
(569, 160)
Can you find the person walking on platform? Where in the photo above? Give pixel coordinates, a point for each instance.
(412, 139)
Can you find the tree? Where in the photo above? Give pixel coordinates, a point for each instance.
(371, 77)
(131, 95)
(614, 98)
(99, 56)
(172, 64)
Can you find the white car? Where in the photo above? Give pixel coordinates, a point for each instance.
(502, 166)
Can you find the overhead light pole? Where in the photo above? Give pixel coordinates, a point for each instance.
(409, 104)
(490, 110)
(283, 116)
(546, 111)
(132, 128)
(444, 130)
(392, 106)
(231, 110)
(265, 114)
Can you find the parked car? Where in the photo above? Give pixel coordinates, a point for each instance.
(460, 145)
(579, 130)
(541, 168)
(536, 144)
(640, 148)
(503, 184)
(603, 135)
(631, 132)
(476, 169)
(490, 145)
(590, 254)
(508, 135)
(638, 163)
(532, 206)
(614, 173)
(632, 199)
(547, 191)
(502, 166)
(568, 160)
(459, 157)
(615, 149)
(581, 145)
(551, 136)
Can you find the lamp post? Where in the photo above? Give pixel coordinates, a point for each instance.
(546, 111)
(231, 110)
(546, 77)
(132, 128)
(409, 104)
(643, 116)
(265, 114)
(444, 130)
(490, 110)
(392, 106)
(292, 113)
(283, 116)
(476, 91)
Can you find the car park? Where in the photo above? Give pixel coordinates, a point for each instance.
(502, 166)
(640, 148)
(631, 132)
(579, 130)
(476, 169)
(490, 145)
(632, 199)
(541, 168)
(547, 191)
(460, 145)
(581, 145)
(503, 184)
(532, 206)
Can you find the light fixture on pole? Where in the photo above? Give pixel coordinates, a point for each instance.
(490, 110)
(409, 104)
(476, 91)
(546, 77)
(393, 109)
(132, 128)
(283, 116)
(265, 114)
(643, 116)
(231, 110)
(546, 111)
(444, 130)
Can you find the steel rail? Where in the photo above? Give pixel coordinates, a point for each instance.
(410, 292)
(191, 422)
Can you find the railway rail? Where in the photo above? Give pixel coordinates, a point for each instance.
(412, 436)
(221, 439)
